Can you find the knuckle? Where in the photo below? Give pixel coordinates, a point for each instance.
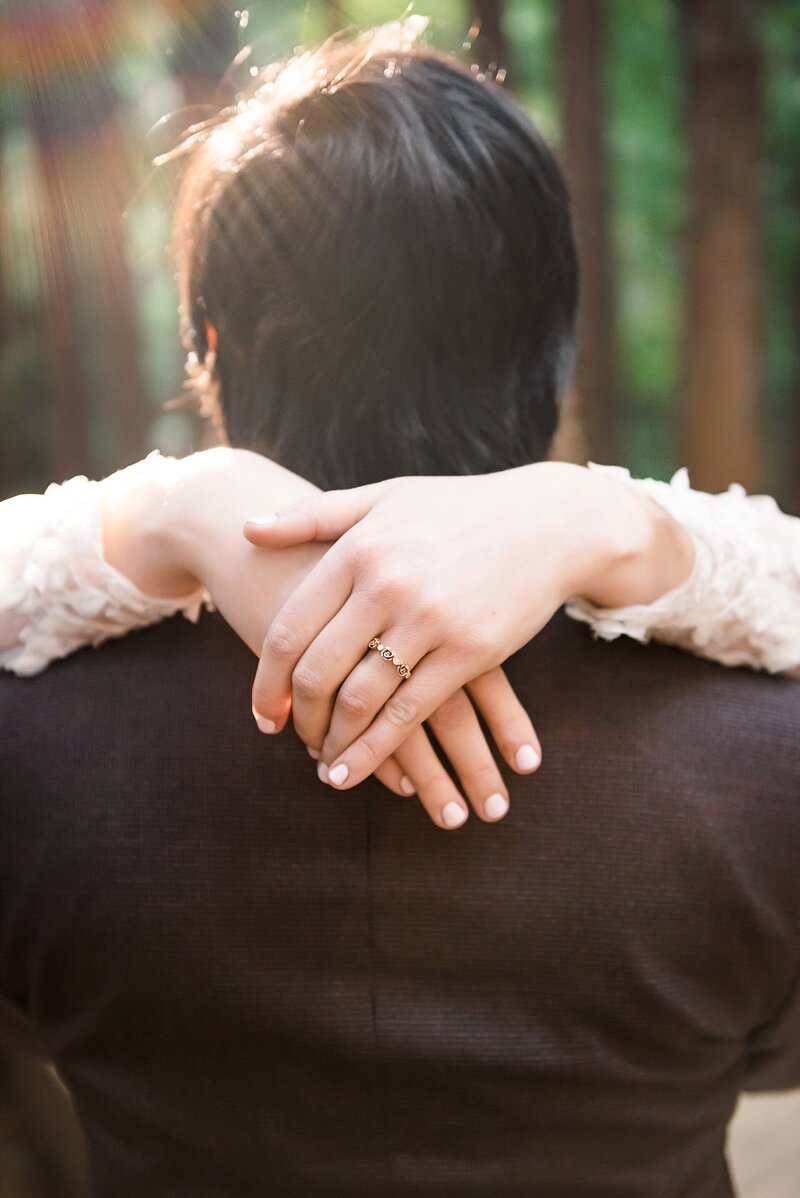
(364, 753)
(431, 609)
(306, 683)
(353, 701)
(421, 777)
(514, 732)
(433, 784)
(282, 640)
(402, 711)
(507, 742)
(475, 642)
(386, 589)
(361, 554)
(483, 778)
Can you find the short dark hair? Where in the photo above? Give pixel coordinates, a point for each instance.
(386, 255)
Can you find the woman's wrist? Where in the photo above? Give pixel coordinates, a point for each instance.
(608, 543)
(168, 524)
(143, 537)
(634, 550)
(202, 523)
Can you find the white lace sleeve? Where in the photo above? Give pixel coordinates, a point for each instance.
(741, 604)
(57, 591)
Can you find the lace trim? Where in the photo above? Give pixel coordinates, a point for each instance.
(59, 590)
(741, 604)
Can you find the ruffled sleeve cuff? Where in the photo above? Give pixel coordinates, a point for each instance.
(741, 604)
(57, 591)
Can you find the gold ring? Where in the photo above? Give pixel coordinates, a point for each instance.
(388, 655)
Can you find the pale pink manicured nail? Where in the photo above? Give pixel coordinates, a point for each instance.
(338, 774)
(313, 754)
(453, 815)
(407, 786)
(527, 758)
(263, 521)
(495, 806)
(263, 724)
(322, 772)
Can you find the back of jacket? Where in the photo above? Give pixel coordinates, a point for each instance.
(256, 986)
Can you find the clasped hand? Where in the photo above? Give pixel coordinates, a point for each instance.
(438, 570)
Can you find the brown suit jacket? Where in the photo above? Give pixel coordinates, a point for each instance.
(256, 986)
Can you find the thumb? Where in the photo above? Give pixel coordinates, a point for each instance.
(322, 517)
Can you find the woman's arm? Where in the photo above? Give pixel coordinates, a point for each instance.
(741, 604)
(91, 560)
(467, 570)
(57, 591)
(172, 539)
(85, 561)
(196, 529)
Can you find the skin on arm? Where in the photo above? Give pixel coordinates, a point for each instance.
(455, 574)
(167, 540)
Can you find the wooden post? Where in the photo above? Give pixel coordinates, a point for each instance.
(581, 40)
(720, 411)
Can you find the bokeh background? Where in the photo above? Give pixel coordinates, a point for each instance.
(677, 122)
(678, 125)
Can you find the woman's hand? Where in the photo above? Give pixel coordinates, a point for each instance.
(415, 766)
(454, 574)
(174, 530)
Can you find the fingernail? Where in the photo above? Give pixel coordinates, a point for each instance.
(338, 774)
(263, 521)
(527, 758)
(322, 772)
(312, 753)
(407, 786)
(495, 806)
(264, 725)
(453, 815)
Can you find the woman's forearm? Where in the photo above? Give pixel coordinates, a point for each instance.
(741, 603)
(630, 549)
(171, 538)
(58, 591)
(585, 534)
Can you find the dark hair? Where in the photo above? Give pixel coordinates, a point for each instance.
(383, 245)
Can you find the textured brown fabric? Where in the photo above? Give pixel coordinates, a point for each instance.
(256, 986)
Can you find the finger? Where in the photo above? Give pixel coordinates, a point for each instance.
(507, 720)
(390, 774)
(322, 517)
(307, 611)
(325, 665)
(394, 778)
(457, 730)
(432, 682)
(437, 791)
(370, 685)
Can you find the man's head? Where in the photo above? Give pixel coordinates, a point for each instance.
(379, 244)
